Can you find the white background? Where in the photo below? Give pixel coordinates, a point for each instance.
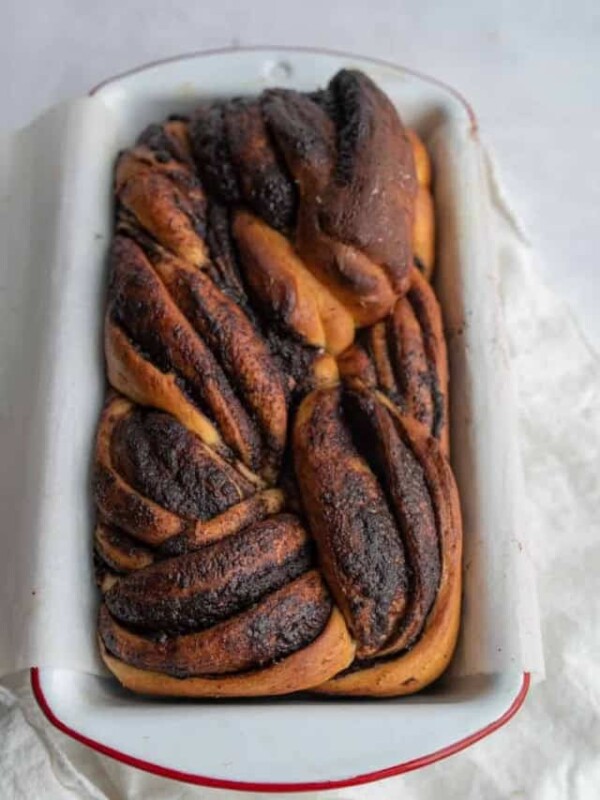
(531, 69)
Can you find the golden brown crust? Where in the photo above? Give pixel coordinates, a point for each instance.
(118, 551)
(325, 372)
(424, 219)
(256, 508)
(364, 289)
(420, 157)
(331, 652)
(281, 282)
(165, 198)
(424, 232)
(133, 375)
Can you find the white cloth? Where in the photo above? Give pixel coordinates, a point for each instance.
(531, 72)
(552, 748)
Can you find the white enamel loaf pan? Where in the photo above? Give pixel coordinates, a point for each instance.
(303, 743)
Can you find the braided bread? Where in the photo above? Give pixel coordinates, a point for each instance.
(276, 511)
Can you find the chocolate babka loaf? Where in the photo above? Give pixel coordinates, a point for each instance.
(275, 507)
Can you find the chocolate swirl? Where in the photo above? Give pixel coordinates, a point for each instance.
(372, 514)
(210, 369)
(162, 485)
(283, 622)
(404, 356)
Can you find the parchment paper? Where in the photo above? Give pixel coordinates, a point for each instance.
(57, 217)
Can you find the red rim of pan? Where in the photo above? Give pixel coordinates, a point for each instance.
(249, 786)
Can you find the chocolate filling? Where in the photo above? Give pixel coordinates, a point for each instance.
(439, 415)
(386, 448)
(346, 107)
(171, 466)
(285, 621)
(165, 147)
(141, 306)
(265, 184)
(224, 267)
(118, 551)
(360, 548)
(195, 591)
(211, 152)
